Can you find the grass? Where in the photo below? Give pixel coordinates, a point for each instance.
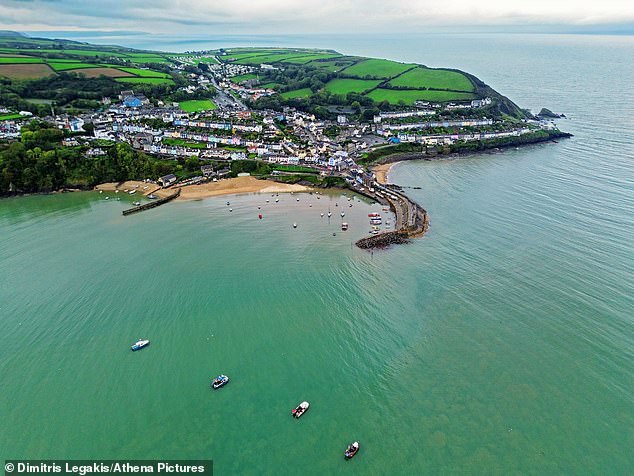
(433, 78)
(22, 60)
(377, 68)
(269, 85)
(145, 73)
(145, 80)
(310, 58)
(409, 96)
(96, 72)
(8, 117)
(345, 86)
(64, 66)
(184, 143)
(243, 77)
(197, 105)
(297, 93)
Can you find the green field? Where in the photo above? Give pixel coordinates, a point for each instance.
(5, 60)
(243, 77)
(184, 143)
(433, 78)
(10, 116)
(197, 105)
(310, 58)
(145, 80)
(394, 96)
(145, 73)
(345, 86)
(297, 93)
(377, 68)
(63, 66)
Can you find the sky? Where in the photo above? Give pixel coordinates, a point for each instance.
(200, 17)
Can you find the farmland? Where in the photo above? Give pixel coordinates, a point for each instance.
(134, 80)
(145, 73)
(25, 71)
(197, 105)
(96, 72)
(297, 93)
(64, 66)
(376, 68)
(433, 78)
(345, 86)
(394, 96)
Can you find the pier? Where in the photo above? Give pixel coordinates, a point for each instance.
(153, 204)
(412, 220)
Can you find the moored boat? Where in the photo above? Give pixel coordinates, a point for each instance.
(352, 450)
(344, 226)
(151, 196)
(220, 381)
(300, 409)
(140, 344)
(136, 204)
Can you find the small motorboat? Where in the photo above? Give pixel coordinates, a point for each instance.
(321, 214)
(300, 409)
(132, 192)
(260, 216)
(298, 199)
(107, 198)
(329, 214)
(136, 204)
(294, 225)
(277, 200)
(140, 344)
(343, 214)
(231, 209)
(228, 203)
(151, 196)
(344, 226)
(220, 381)
(100, 191)
(352, 450)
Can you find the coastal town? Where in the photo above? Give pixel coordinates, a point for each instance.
(299, 146)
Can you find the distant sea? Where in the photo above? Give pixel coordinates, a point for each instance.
(500, 343)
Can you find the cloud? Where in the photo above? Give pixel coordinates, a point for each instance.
(295, 16)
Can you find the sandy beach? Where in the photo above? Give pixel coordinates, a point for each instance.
(211, 189)
(142, 188)
(382, 171)
(233, 186)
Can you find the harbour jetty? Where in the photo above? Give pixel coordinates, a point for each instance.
(412, 220)
(154, 204)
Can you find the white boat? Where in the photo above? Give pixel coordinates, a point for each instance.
(219, 381)
(140, 344)
(300, 409)
(132, 192)
(136, 204)
(344, 226)
(294, 225)
(343, 214)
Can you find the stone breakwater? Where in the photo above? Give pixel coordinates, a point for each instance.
(412, 221)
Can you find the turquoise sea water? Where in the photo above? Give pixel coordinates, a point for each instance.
(500, 343)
